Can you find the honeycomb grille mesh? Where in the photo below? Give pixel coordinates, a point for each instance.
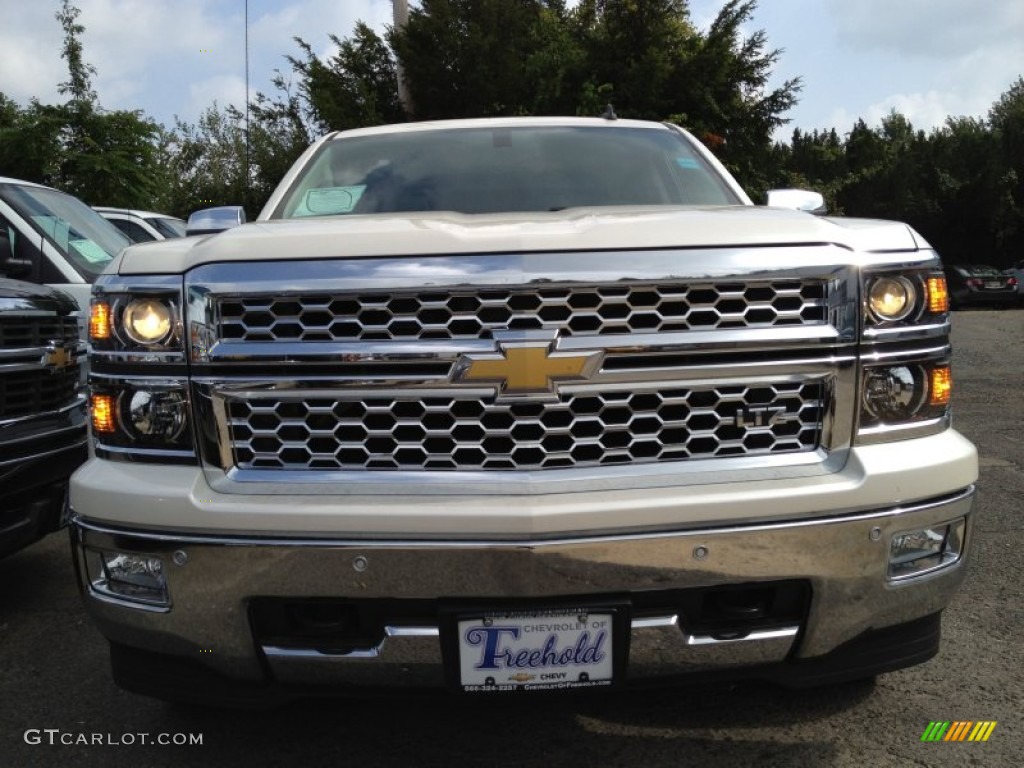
(451, 314)
(579, 430)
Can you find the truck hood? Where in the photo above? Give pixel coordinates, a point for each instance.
(578, 229)
(17, 296)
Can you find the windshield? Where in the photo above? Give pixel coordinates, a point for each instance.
(87, 240)
(166, 226)
(504, 169)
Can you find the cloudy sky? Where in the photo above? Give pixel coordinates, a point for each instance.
(858, 58)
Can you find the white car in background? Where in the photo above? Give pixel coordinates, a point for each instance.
(143, 226)
(51, 238)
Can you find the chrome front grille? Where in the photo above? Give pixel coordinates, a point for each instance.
(25, 393)
(409, 315)
(21, 332)
(381, 372)
(584, 428)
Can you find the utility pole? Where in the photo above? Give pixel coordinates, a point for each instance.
(247, 100)
(400, 15)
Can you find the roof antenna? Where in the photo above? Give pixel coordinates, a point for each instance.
(609, 113)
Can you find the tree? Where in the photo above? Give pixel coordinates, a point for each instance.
(206, 161)
(30, 144)
(358, 86)
(722, 95)
(473, 58)
(1006, 119)
(104, 157)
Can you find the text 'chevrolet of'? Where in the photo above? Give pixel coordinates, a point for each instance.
(502, 406)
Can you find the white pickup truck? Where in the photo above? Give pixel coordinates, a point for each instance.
(505, 406)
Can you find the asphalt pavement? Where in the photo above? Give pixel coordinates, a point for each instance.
(58, 705)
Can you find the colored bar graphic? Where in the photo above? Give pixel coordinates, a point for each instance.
(958, 730)
(982, 731)
(935, 731)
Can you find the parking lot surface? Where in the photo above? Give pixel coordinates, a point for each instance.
(58, 705)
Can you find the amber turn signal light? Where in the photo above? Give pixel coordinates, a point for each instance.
(938, 295)
(941, 386)
(103, 413)
(99, 321)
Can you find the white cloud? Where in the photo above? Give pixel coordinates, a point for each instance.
(940, 29)
(224, 89)
(25, 72)
(924, 110)
(165, 56)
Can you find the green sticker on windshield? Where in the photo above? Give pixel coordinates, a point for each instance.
(90, 251)
(330, 200)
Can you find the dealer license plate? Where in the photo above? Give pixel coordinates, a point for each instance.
(535, 650)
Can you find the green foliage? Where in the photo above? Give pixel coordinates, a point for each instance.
(472, 58)
(958, 185)
(79, 82)
(482, 58)
(723, 95)
(206, 162)
(104, 157)
(358, 86)
(30, 141)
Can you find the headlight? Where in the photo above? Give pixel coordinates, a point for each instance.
(141, 324)
(903, 396)
(153, 415)
(894, 393)
(147, 321)
(142, 419)
(891, 298)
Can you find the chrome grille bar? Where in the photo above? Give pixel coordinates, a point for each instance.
(581, 429)
(571, 310)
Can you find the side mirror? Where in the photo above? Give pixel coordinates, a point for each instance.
(798, 200)
(211, 220)
(11, 265)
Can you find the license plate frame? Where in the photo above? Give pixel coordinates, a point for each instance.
(580, 670)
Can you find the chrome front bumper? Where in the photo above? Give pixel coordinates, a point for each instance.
(212, 582)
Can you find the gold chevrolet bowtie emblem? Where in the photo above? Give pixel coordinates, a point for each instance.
(57, 356)
(527, 367)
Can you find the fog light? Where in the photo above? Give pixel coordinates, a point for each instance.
(139, 578)
(915, 553)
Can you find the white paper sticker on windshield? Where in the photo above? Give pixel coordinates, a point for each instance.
(90, 251)
(330, 200)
